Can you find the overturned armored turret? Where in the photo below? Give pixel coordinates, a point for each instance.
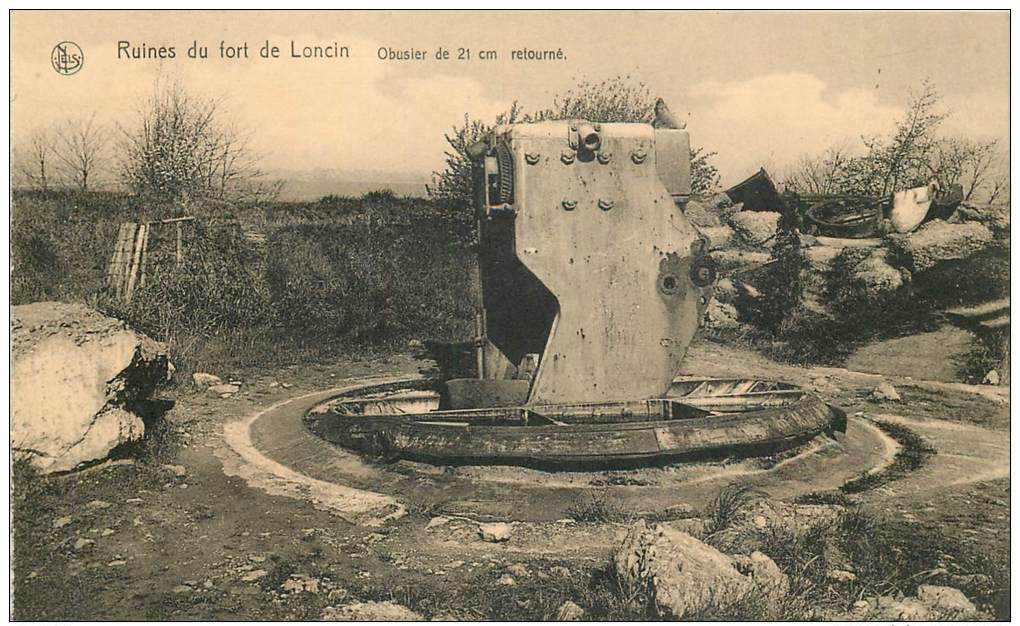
(592, 285)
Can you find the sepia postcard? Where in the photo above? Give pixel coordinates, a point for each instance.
(510, 316)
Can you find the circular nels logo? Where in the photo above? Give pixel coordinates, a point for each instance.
(67, 58)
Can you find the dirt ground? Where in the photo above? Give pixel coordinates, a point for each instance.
(174, 537)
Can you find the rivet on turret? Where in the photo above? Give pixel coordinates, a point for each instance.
(531, 158)
(567, 157)
(605, 205)
(638, 156)
(604, 157)
(570, 205)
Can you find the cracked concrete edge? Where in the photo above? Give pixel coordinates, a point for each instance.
(242, 459)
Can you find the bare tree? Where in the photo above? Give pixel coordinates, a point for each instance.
(902, 160)
(34, 160)
(819, 174)
(81, 149)
(180, 148)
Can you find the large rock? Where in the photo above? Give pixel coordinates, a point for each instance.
(946, 601)
(718, 236)
(701, 214)
(76, 375)
(371, 612)
(756, 228)
(875, 276)
(939, 241)
(683, 576)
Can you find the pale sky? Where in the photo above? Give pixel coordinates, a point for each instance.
(758, 88)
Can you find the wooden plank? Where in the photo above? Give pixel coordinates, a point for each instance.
(179, 249)
(133, 270)
(112, 267)
(144, 255)
(122, 261)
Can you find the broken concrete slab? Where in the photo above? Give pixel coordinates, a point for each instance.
(939, 241)
(755, 228)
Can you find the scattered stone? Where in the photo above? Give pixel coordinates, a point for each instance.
(204, 379)
(905, 609)
(371, 612)
(945, 600)
(841, 576)
(455, 564)
(759, 521)
(60, 522)
(755, 228)
(569, 612)
(885, 391)
(496, 532)
(518, 569)
(208, 584)
(299, 583)
(106, 532)
(415, 344)
(506, 580)
(182, 589)
(177, 470)
(683, 576)
(82, 543)
(437, 521)
(273, 384)
(861, 606)
(134, 501)
(991, 378)
(257, 558)
(286, 385)
(96, 505)
(223, 390)
(117, 563)
(73, 371)
(254, 575)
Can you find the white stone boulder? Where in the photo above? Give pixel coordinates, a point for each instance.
(76, 378)
(683, 576)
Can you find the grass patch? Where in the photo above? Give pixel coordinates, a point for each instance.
(723, 510)
(597, 504)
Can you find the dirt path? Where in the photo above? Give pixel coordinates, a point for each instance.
(204, 541)
(945, 351)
